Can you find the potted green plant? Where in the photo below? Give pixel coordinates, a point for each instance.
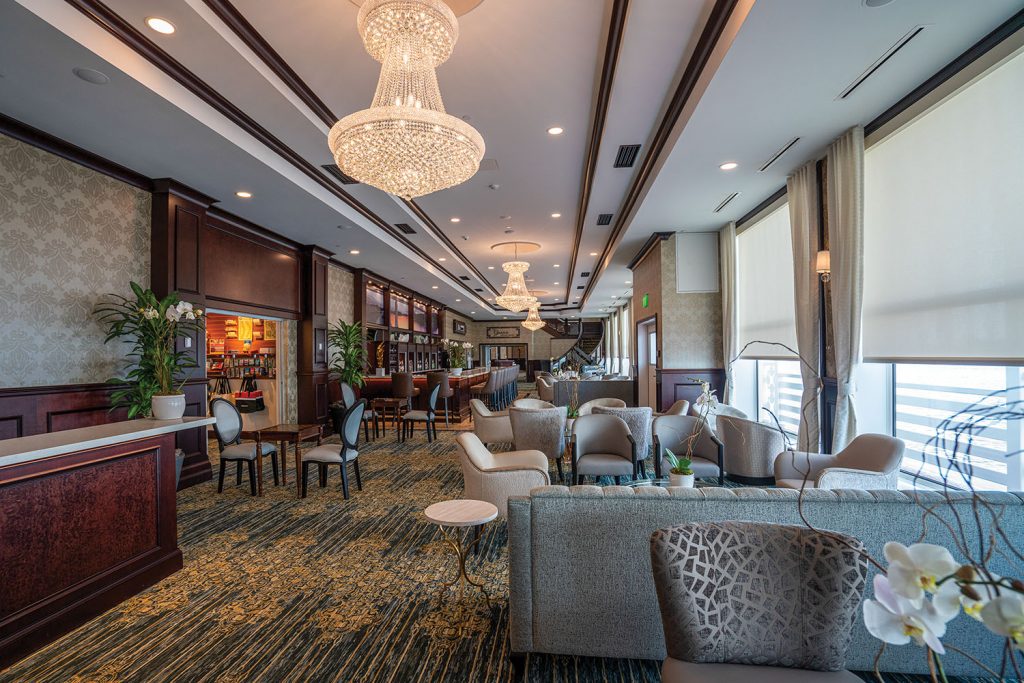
(152, 326)
(348, 352)
(456, 355)
(679, 473)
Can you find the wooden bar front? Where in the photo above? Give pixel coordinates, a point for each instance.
(458, 403)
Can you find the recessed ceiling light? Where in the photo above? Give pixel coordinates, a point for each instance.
(557, 266)
(354, 252)
(555, 130)
(556, 215)
(728, 166)
(472, 312)
(593, 253)
(490, 267)
(458, 301)
(160, 25)
(243, 194)
(629, 282)
(455, 219)
(91, 75)
(556, 283)
(442, 259)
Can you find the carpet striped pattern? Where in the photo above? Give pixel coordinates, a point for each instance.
(322, 589)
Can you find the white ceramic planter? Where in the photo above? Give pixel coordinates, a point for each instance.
(684, 480)
(456, 372)
(168, 407)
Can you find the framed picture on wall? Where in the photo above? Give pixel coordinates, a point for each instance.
(503, 332)
(458, 327)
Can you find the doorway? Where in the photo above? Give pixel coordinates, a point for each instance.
(242, 355)
(647, 362)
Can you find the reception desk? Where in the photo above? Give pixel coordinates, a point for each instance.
(87, 519)
(458, 404)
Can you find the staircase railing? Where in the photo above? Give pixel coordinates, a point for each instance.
(576, 357)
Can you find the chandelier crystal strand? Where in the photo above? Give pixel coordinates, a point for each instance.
(516, 297)
(533, 321)
(406, 143)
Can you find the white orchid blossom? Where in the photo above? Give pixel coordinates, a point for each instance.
(1004, 616)
(183, 307)
(173, 314)
(896, 620)
(918, 569)
(150, 313)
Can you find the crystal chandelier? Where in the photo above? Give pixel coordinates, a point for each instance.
(405, 143)
(533, 321)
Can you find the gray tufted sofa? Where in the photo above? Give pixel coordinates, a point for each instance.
(580, 579)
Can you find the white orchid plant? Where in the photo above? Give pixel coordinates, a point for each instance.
(457, 351)
(706, 402)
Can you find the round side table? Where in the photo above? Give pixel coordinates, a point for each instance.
(453, 515)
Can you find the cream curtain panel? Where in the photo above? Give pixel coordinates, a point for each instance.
(802, 191)
(730, 332)
(846, 244)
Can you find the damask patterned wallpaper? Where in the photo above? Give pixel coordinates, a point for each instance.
(690, 325)
(69, 235)
(340, 295)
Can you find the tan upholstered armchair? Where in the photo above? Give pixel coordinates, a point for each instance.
(750, 449)
(490, 427)
(672, 432)
(680, 407)
(869, 462)
(602, 446)
(588, 407)
(541, 429)
(715, 411)
(639, 422)
(494, 477)
(546, 389)
(531, 403)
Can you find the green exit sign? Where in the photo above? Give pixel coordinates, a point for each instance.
(644, 301)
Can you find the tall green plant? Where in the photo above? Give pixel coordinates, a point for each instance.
(152, 326)
(348, 355)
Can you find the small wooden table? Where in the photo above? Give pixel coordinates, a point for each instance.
(284, 434)
(381, 406)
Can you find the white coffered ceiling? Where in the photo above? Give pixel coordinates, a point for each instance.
(519, 68)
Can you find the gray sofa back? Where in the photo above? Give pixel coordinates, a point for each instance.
(580, 579)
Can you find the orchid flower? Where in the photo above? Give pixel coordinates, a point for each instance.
(150, 313)
(917, 569)
(950, 597)
(173, 314)
(1004, 616)
(896, 620)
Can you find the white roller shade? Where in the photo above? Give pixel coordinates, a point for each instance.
(944, 229)
(764, 293)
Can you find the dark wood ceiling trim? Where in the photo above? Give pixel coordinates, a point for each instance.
(749, 215)
(616, 29)
(248, 34)
(969, 56)
(129, 35)
(54, 145)
(646, 248)
(718, 19)
(227, 13)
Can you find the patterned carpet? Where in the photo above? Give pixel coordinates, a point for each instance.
(322, 589)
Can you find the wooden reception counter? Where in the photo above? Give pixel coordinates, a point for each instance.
(87, 519)
(458, 403)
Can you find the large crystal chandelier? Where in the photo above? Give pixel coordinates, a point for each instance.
(405, 143)
(533, 321)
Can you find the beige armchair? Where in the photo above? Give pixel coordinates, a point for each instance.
(639, 422)
(750, 449)
(489, 426)
(673, 431)
(680, 407)
(869, 462)
(715, 411)
(546, 388)
(602, 446)
(531, 403)
(541, 429)
(588, 407)
(494, 477)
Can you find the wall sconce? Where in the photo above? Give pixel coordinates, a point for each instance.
(823, 265)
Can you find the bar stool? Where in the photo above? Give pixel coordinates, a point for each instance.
(487, 391)
(440, 378)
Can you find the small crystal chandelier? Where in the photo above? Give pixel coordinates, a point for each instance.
(405, 143)
(516, 296)
(533, 321)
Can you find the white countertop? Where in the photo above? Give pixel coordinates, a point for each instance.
(38, 446)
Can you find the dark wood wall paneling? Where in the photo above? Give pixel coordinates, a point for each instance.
(675, 384)
(312, 338)
(95, 527)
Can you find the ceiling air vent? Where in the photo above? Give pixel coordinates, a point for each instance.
(725, 202)
(585, 273)
(478, 290)
(775, 157)
(336, 173)
(406, 228)
(604, 219)
(464, 277)
(579, 287)
(886, 56)
(626, 156)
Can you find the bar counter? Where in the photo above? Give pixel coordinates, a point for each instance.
(458, 404)
(87, 519)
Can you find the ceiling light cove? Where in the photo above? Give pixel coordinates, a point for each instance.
(243, 194)
(406, 143)
(555, 130)
(729, 166)
(160, 25)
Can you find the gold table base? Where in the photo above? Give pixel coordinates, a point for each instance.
(453, 541)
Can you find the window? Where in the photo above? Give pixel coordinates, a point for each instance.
(400, 312)
(626, 333)
(766, 387)
(419, 316)
(765, 303)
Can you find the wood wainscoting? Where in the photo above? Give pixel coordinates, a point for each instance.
(675, 384)
(26, 411)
